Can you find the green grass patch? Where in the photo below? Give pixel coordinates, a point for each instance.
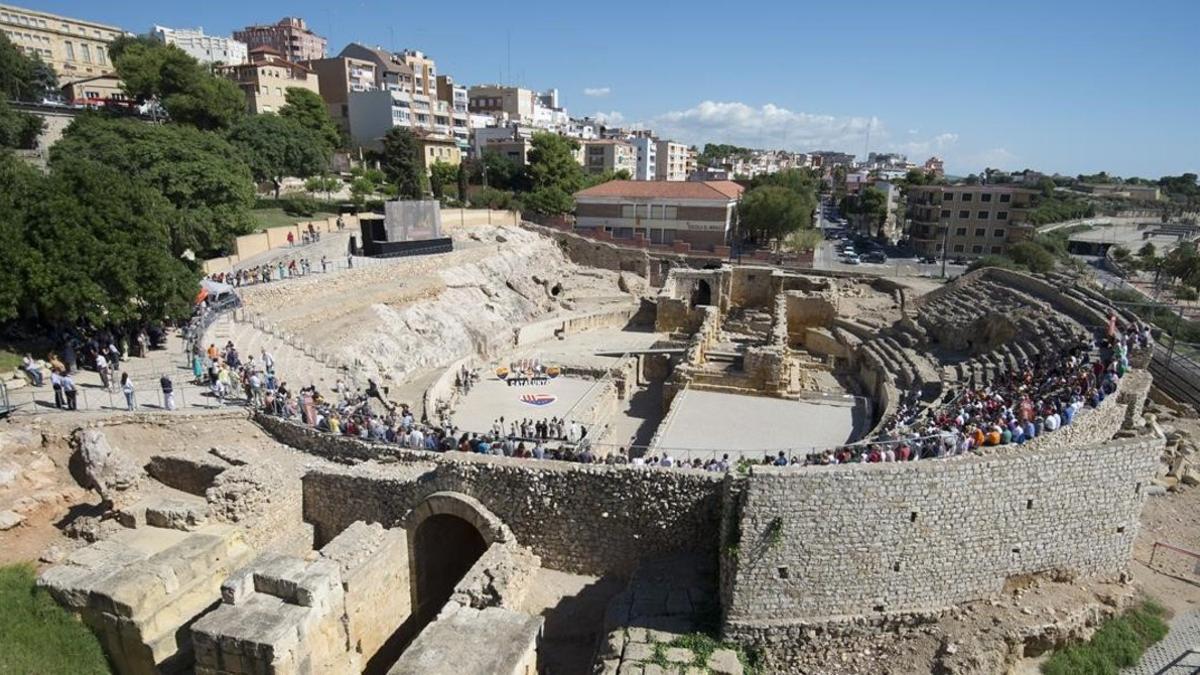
(275, 217)
(9, 360)
(38, 636)
(1118, 644)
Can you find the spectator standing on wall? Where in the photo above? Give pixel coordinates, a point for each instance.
(168, 390)
(127, 389)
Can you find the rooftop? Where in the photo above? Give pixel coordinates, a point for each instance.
(650, 189)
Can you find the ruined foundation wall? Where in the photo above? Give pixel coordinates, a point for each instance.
(578, 518)
(868, 539)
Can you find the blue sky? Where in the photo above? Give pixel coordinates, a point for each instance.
(1067, 86)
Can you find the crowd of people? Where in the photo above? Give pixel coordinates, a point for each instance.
(227, 374)
(268, 272)
(98, 350)
(1041, 396)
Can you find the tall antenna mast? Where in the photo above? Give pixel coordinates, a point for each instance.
(867, 145)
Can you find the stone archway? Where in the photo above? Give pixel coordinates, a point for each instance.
(447, 533)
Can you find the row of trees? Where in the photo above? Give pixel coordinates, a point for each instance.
(111, 232)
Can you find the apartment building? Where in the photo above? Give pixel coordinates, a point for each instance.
(203, 48)
(266, 78)
(934, 167)
(603, 155)
(290, 37)
(75, 48)
(456, 98)
(337, 78)
(519, 105)
(391, 73)
(972, 220)
(660, 212)
(424, 72)
(647, 157)
(672, 161)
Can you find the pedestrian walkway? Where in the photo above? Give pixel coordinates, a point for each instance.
(145, 373)
(1177, 654)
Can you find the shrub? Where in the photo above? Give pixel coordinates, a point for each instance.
(38, 636)
(1119, 643)
(299, 205)
(994, 261)
(1032, 255)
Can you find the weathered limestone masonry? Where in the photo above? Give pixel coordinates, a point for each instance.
(578, 518)
(821, 542)
(140, 588)
(285, 615)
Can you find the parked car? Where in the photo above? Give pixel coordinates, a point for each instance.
(959, 260)
(851, 259)
(929, 259)
(875, 257)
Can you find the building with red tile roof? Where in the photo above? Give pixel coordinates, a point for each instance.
(700, 213)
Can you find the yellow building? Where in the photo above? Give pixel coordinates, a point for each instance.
(75, 48)
(267, 77)
(438, 148)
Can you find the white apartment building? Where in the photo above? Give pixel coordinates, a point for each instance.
(647, 157)
(203, 48)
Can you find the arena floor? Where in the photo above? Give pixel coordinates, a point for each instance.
(492, 398)
(750, 426)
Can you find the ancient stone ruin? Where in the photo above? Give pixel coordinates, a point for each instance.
(339, 554)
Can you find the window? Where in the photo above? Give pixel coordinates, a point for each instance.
(87, 53)
(959, 248)
(1002, 215)
(998, 233)
(945, 213)
(948, 197)
(1005, 198)
(981, 215)
(967, 196)
(976, 249)
(985, 197)
(996, 249)
(964, 214)
(980, 232)
(70, 51)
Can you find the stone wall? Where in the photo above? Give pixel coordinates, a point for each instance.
(588, 519)
(879, 538)
(329, 613)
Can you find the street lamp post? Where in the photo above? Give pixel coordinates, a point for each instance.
(945, 234)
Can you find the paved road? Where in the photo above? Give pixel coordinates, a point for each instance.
(1177, 654)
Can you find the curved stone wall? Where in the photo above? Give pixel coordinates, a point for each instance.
(821, 542)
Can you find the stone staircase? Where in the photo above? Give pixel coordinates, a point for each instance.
(295, 362)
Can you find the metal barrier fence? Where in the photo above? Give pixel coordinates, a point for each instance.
(1174, 560)
(94, 398)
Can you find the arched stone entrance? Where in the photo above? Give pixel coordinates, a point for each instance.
(447, 534)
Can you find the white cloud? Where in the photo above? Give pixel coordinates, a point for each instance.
(612, 118)
(936, 145)
(766, 126)
(597, 91)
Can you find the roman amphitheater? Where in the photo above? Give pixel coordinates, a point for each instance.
(720, 508)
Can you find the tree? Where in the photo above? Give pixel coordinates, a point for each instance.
(773, 212)
(1046, 185)
(552, 163)
(150, 70)
(19, 129)
(442, 175)
(306, 108)
(324, 183)
(461, 177)
(275, 147)
(553, 174)
(495, 170)
(21, 190)
(972, 179)
(118, 267)
(872, 204)
(401, 163)
(201, 174)
(1032, 256)
(22, 77)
